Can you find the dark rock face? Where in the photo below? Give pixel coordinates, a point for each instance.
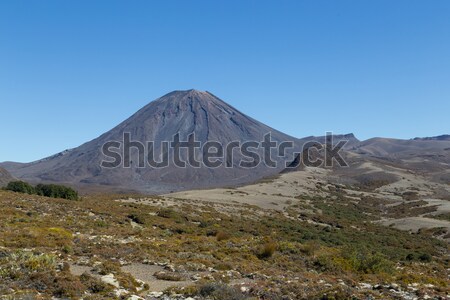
(179, 112)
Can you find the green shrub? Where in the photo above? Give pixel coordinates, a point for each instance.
(169, 213)
(20, 187)
(56, 191)
(375, 264)
(138, 218)
(367, 262)
(425, 257)
(17, 265)
(310, 248)
(47, 190)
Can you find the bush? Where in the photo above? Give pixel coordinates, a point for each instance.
(46, 190)
(68, 286)
(425, 257)
(362, 261)
(220, 292)
(20, 187)
(95, 285)
(310, 248)
(267, 250)
(374, 264)
(56, 191)
(169, 213)
(169, 276)
(109, 267)
(137, 218)
(17, 265)
(222, 236)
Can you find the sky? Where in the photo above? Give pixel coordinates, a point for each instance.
(72, 70)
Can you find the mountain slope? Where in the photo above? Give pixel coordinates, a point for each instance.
(5, 177)
(429, 157)
(400, 148)
(444, 137)
(183, 112)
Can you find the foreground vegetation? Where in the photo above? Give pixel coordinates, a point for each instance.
(320, 248)
(46, 190)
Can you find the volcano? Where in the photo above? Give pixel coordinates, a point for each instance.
(181, 113)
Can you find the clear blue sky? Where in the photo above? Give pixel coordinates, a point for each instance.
(71, 70)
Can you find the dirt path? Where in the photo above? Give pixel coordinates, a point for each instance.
(145, 273)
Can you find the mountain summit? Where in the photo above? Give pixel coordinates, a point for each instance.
(179, 113)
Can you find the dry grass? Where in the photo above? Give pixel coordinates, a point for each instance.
(197, 237)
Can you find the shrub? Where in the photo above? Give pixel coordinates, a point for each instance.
(222, 236)
(18, 264)
(410, 256)
(166, 213)
(375, 264)
(425, 257)
(267, 250)
(109, 267)
(68, 286)
(20, 187)
(169, 213)
(223, 266)
(310, 248)
(47, 190)
(220, 292)
(35, 263)
(169, 276)
(56, 191)
(137, 218)
(408, 196)
(95, 285)
(127, 281)
(358, 260)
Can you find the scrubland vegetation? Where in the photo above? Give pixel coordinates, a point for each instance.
(46, 190)
(246, 253)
